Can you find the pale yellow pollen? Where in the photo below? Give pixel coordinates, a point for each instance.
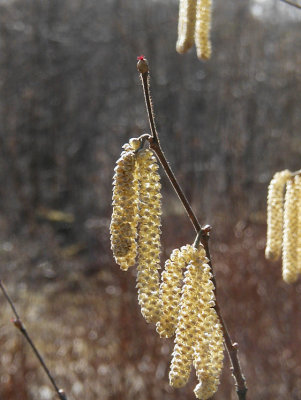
(290, 233)
(202, 29)
(275, 214)
(186, 25)
(149, 246)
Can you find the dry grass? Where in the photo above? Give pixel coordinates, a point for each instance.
(92, 335)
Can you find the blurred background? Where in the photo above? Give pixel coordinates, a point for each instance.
(70, 97)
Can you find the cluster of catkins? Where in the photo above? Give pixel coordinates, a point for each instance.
(194, 27)
(183, 304)
(284, 223)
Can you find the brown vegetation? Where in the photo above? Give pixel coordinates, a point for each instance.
(69, 98)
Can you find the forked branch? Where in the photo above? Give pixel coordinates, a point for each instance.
(19, 325)
(203, 232)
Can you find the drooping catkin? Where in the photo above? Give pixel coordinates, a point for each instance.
(209, 354)
(186, 25)
(149, 235)
(275, 214)
(202, 29)
(123, 228)
(182, 355)
(170, 290)
(298, 206)
(290, 233)
(208, 349)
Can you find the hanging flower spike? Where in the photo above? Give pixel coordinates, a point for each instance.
(202, 29)
(149, 232)
(170, 290)
(186, 25)
(275, 214)
(208, 349)
(298, 206)
(187, 320)
(290, 233)
(124, 219)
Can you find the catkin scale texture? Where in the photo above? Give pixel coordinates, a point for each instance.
(275, 214)
(209, 354)
(202, 29)
(124, 219)
(298, 206)
(187, 318)
(149, 231)
(208, 349)
(186, 25)
(290, 233)
(170, 290)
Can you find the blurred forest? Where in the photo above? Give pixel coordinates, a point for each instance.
(70, 97)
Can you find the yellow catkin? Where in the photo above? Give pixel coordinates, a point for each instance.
(209, 354)
(275, 215)
(149, 235)
(298, 206)
(290, 233)
(170, 290)
(202, 29)
(186, 25)
(182, 355)
(124, 219)
(208, 349)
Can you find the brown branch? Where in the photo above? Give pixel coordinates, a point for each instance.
(202, 232)
(19, 325)
(291, 3)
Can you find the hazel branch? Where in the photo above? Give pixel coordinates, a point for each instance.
(292, 3)
(19, 325)
(202, 232)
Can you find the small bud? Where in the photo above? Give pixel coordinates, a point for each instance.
(142, 65)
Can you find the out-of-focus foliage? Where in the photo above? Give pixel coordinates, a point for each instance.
(69, 98)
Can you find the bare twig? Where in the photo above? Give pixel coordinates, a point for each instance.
(292, 3)
(203, 232)
(19, 325)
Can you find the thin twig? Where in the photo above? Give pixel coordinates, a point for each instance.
(291, 3)
(202, 232)
(19, 325)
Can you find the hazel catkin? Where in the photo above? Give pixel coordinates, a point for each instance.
(202, 29)
(170, 290)
(149, 231)
(290, 233)
(186, 25)
(275, 214)
(298, 206)
(123, 228)
(187, 319)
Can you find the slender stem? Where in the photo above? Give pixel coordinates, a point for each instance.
(202, 233)
(171, 176)
(19, 325)
(232, 348)
(291, 3)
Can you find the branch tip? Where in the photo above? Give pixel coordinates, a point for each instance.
(142, 65)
